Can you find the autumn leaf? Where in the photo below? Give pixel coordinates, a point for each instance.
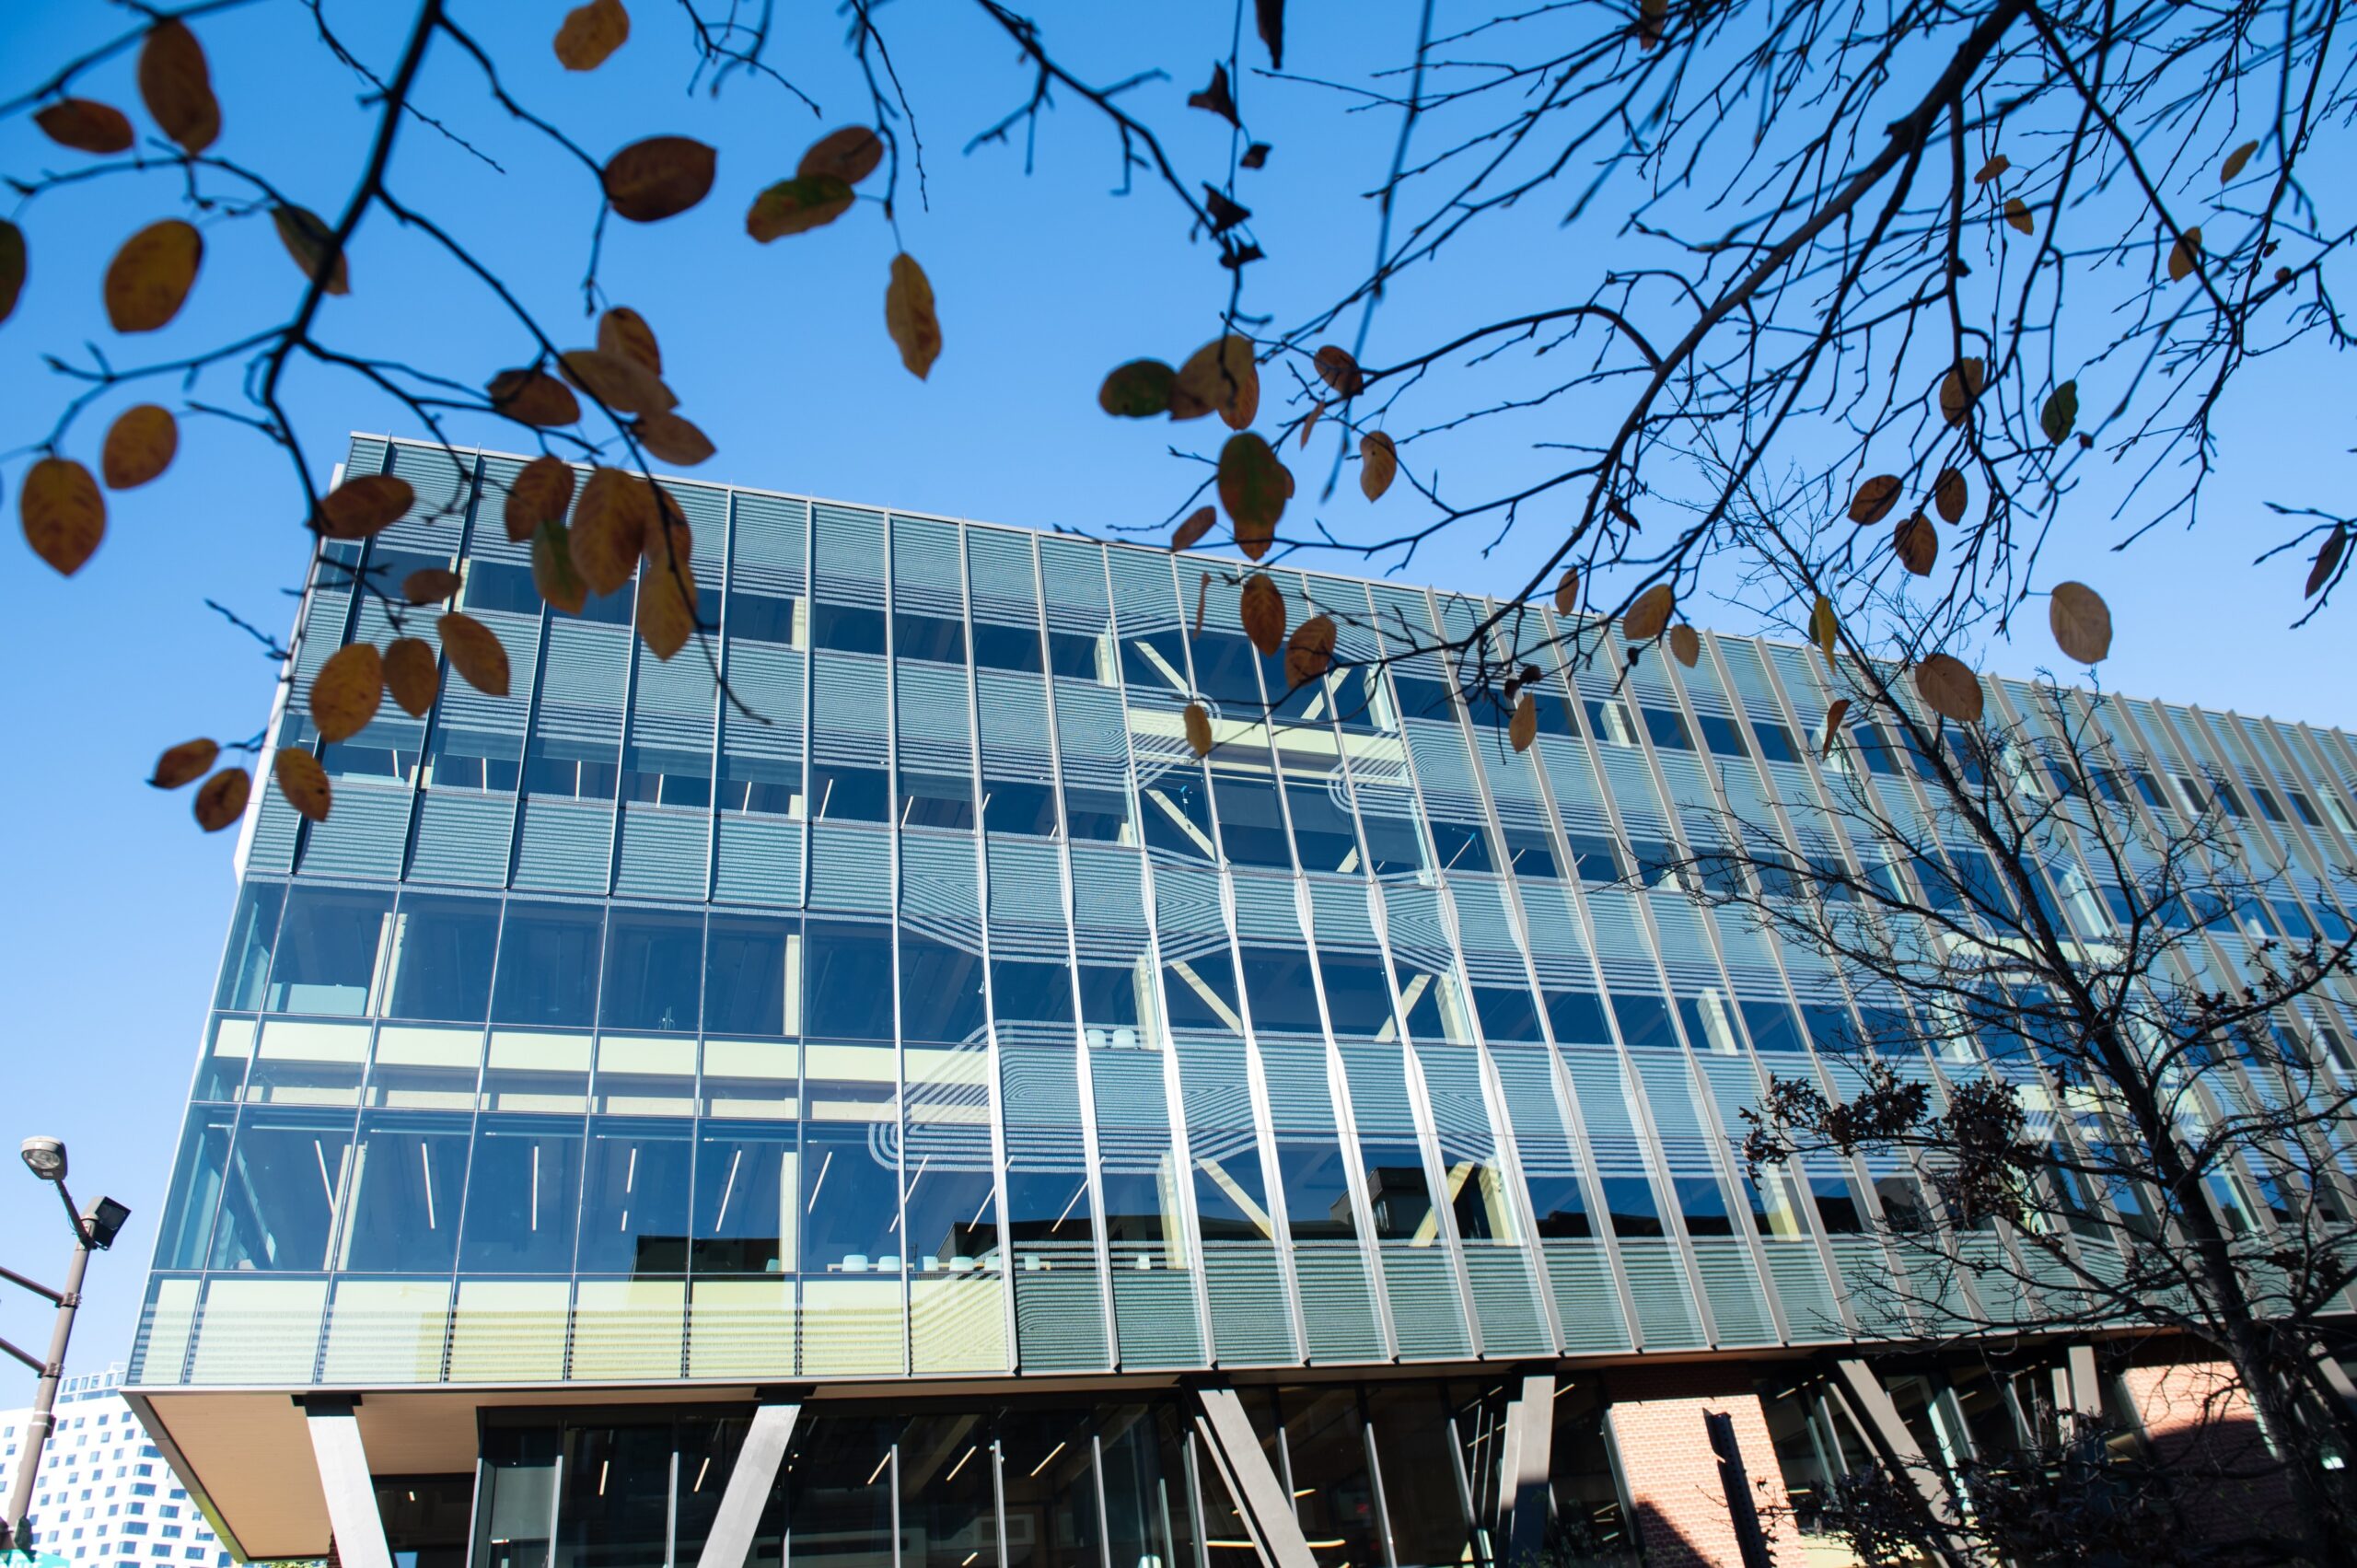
(411, 676)
(1524, 727)
(667, 592)
(590, 33)
(476, 652)
(1950, 494)
(850, 154)
(1378, 464)
(2235, 162)
(1268, 16)
(1875, 499)
(63, 515)
(177, 85)
(1567, 591)
(1255, 157)
(2081, 622)
(1216, 98)
(609, 529)
(1685, 645)
(659, 177)
(346, 691)
(1824, 626)
(1339, 370)
(2060, 413)
(673, 439)
(303, 782)
(1219, 376)
(222, 800)
(429, 584)
(1252, 488)
(622, 383)
(1191, 532)
(150, 276)
(2328, 560)
(1949, 688)
(1261, 609)
(364, 505)
(554, 575)
(86, 125)
(12, 267)
(909, 316)
(1309, 423)
(1310, 650)
(139, 446)
(1649, 614)
(624, 334)
(797, 205)
(541, 492)
(1198, 720)
(2018, 214)
(1918, 544)
(1833, 716)
(1651, 15)
(1139, 389)
(1996, 166)
(1960, 388)
(183, 764)
(2185, 255)
(307, 238)
(533, 398)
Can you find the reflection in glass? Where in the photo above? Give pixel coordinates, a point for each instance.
(752, 982)
(521, 1201)
(408, 1172)
(748, 1199)
(851, 1208)
(285, 1176)
(948, 1505)
(634, 1199)
(616, 1507)
(252, 931)
(548, 965)
(1051, 1489)
(196, 1188)
(327, 946)
(441, 959)
(849, 994)
(654, 961)
(840, 1476)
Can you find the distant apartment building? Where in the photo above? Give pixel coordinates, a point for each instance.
(104, 1495)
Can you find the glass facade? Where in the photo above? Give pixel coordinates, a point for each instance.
(896, 994)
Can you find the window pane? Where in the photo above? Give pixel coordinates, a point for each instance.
(548, 965)
(252, 931)
(752, 978)
(522, 1197)
(407, 1178)
(442, 953)
(652, 963)
(326, 953)
(634, 1199)
(196, 1188)
(849, 970)
(941, 991)
(748, 1199)
(286, 1173)
(851, 1205)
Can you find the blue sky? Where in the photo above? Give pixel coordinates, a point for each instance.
(780, 354)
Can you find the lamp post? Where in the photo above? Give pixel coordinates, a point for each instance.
(94, 1230)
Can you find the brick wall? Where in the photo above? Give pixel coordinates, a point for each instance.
(1672, 1474)
(2203, 1427)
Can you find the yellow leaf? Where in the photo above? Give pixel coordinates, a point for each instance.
(1949, 688)
(12, 267)
(850, 154)
(609, 529)
(1685, 645)
(1950, 494)
(1261, 609)
(673, 439)
(365, 504)
(2018, 214)
(429, 584)
(150, 276)
(1339, 370)
(1220, 377)
(1823, 626)
(1310, 650)
(553, 573)
(306, 236)
(666, 590)
(1252, 487)
(411, 674)
(1199, 729)
(222, 799)
(533, 398)
(2081, 622)
(1916, 540)
(541, 494)
(623, 332)
(476, 652)
(621, 384)
(177, 85)
(2185, 255)
(1524, 727)
(1378, 464)
(303, 782)
(1190, 532)
(64, 517)
(797, 206)
(909, 316)
(590, 33)
(1567, 591)
(1833, 716)
(346, 691)
(659, 177)
(1649, 614)
(1875, 499)
(139, 446)
(86, 125)
(183, 764)
(2235, 162)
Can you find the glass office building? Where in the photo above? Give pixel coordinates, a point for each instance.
(1096, 1153)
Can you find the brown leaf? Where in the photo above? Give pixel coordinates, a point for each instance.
(86, 125)
(609, 528)
(2328, 560)
(1216, 98)
(1918, 544)
(1875, 499)
(2018, 214)
(476, 652)
(909, 316)
(303, 782)
(673, 439)
(1651, 15)
(553, 573)
(621, 384)
(177, 85)
(307, 238)
(2185, 255)
(1685, 645)
(667, 591)
(1190, 532)
(429, 584)
(1268, 16)
(1139, 389)
(1950, 494)
(1524, 727)
(659, 177)
(1255, 157)
(1219, 376)
(1950, 688)
(150, 276)
(411, 674)
(533, 398)
(1316, 409)
(590, 33)
(1252, 488)
(222, 800)
(1996, 166)
(2081, 622)
(1567, 591)
(139, 446)
(850, 154)
(12, 267)
(1824, 626)
(1378, 464)
(2233, 166)
(797, 205)
(1960, 388)
(64, 517)
(541, 494)
(1199, 729)
(346, 691)
(624, 333)
(1339, 371)
(183, 764)
(1833, 716)
(365, 505)
(1310, 650)
(1649, 615)
(1261, 609)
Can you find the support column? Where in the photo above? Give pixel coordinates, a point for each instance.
(1244, 1465)
(2086, 1393)
(1523, 1469)
(748, 1487)
(1871, 1402)
(359, 1530)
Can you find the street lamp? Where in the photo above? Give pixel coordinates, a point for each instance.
(94, 1230)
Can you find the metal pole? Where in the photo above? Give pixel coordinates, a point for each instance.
(20, 1494)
